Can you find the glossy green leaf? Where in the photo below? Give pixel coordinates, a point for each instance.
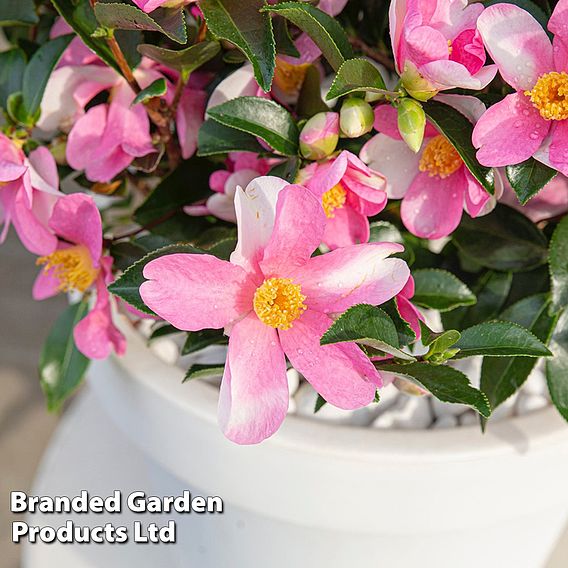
(157, 89)
(503, 240)
(287, 170)
(438, 342)
(61, 365)
(39, 69)
(169, 21)
(502, 376)
(309, 99)
(458, 130)
(243, 24)
(204, 372)
(500, 339)
(12, 67)
(366, 325)
(445, 383)
(17, 111)
(528, 178)
(127, 285)
(440, 290)
(186, 60)
(325, 31)
(214, 138)
(260, 117)
(558, 263)
(405, 333)
(284, 42)
(80, 16)
(356, 75)
(557, 366)
(18, 13)
(197, 340)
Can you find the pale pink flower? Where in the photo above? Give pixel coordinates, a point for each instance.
(242, 168)
(407, 309)
(551, 201)
(77, 263)
(151, 5)
(349, 192)
(434, 184)
(275, 301)
(28, 192)
(437, 46)
(534, 120)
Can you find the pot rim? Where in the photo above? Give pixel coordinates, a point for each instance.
(317, 437)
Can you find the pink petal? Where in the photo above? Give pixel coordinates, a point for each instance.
(76, 219)
(222, 206)
(476, 197)
(241, 83)
(470, 107)
(335, 281)
(83, 143)
(188, 120)
(409, 313)
(517, 43)
(298, 230)
(397, 162)
(560, 51)
(558, 23)
(450, 74)
(254, 392)
(328, 175)
(346, 227)
(332, 7)
(510, 132)
(424, 44)
(196, 291)
(218, 179)
(559, 147)
(255, 208)
(341, 373)
(45, 286)
(386, 121)
(43, 171)
(432, 207)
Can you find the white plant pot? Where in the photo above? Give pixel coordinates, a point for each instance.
(321, 495)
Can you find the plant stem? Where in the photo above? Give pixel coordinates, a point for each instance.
(123, 64)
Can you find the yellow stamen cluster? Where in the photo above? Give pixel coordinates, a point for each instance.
(550, 95)
(450, 48)
(289, 77)
(439, 158)
(278, 302)
(71, 266)
(333, 199)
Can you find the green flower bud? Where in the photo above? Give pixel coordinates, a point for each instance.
(319, 136)
(411, 123)
(416, 85)
(356, 117)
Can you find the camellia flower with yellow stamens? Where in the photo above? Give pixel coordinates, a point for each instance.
(434, 184)
(534, 120)
(78, 264)
(275, 301)
(349, 192)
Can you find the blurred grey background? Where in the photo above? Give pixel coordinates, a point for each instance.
(25, 425)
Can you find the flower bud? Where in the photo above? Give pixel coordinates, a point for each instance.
(411, 123)
(416, 85)
(356, 117)
(319, 136)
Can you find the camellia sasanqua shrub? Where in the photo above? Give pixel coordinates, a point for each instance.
(298, 181)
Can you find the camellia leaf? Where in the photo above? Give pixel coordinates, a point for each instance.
(324, 30)
(445, 383)
(440, 290)
(557, 366)
(284, 42)
(197, 340)
(244, 24)
(499, 339)
(18, 13)
(260, 117)
(528, 178)
(157, 89)
(186, 60)
(309, 99)
(39, 69)
(458, 130)
(558, 262)
(203, 372)
(169, 21)
(356, 75)
(406, 334)
(214, 138)
(80, 16)
(502, 376)
(127, 286)
(62, 366)
(438, 342)
(12, 67)
(287, 170)
(505, 240)
(366, 325)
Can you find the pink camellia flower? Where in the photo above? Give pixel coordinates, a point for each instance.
(434, 184)
(151, 5)
(77, 53)
(534, 120)
(242, 168)
(275, 301)
(349, 192)
(551, 201)
(28, 192)
(407, 309)
(77, 263)
(437, 46)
